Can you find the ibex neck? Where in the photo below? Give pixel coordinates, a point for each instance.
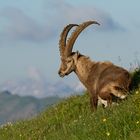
(83, 68)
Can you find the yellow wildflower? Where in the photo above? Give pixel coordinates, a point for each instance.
(104, 120)
(107, 133)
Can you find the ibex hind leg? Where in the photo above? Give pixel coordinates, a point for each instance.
(105, 99)
(119, 93)
(102, 102)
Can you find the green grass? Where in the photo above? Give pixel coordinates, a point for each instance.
(72, 119)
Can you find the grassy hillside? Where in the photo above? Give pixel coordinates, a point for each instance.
(72, 119)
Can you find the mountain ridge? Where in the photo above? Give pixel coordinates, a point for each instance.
(72, 119)
(15, 107)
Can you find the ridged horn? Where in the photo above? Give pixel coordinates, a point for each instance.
(63, 37)
(75, 34)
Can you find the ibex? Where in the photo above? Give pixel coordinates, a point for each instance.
(103, 80)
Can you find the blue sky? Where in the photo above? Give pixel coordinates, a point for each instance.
(29, 35)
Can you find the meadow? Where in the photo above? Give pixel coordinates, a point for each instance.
(72, 119)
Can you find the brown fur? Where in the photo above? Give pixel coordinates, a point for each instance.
(103, 80)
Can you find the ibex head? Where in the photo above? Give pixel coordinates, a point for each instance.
(69, 58)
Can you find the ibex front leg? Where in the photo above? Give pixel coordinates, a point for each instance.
(93, 101)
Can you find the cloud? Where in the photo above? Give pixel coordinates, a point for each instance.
(23, 27)
(19, 26)
(28, 87)
(34, 74)
(78, 14)
(37, 85)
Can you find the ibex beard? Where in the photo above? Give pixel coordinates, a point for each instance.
(103, 80)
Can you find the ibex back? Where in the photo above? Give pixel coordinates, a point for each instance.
(103, 80)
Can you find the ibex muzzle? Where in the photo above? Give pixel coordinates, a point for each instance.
(103, 80)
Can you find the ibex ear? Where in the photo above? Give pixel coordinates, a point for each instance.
(77, 54)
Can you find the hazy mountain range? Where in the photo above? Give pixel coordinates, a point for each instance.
(14, 107)
(25, 97)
